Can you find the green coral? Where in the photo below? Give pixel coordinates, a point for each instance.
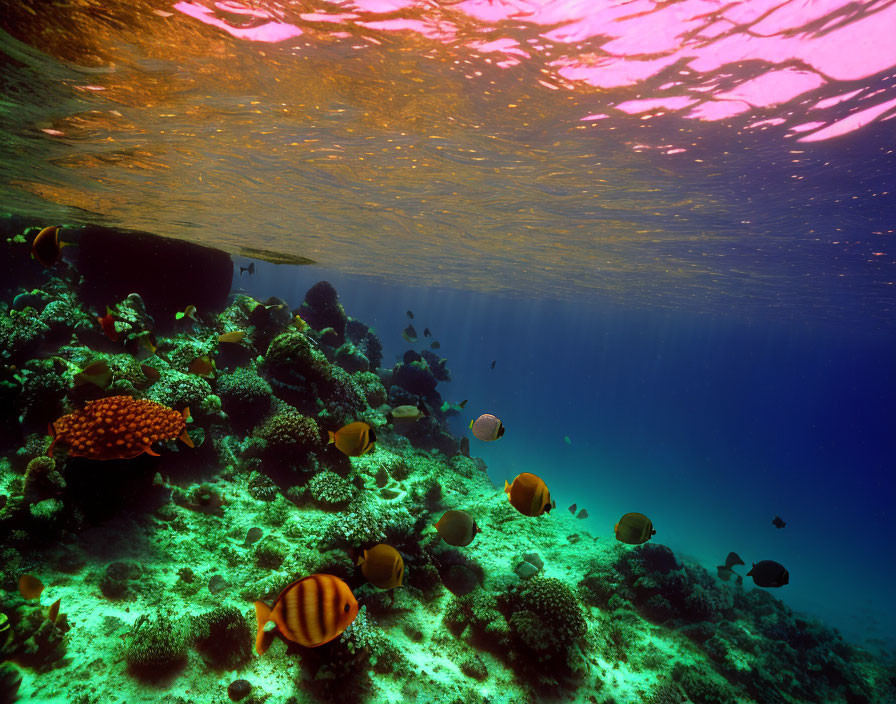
(177, 390)
(154, 647)
(245, 396)
(545, 615)
(289, 435)
(329, 489)
(224, 637)
(34, 640)
(270, 553)
(372, 387)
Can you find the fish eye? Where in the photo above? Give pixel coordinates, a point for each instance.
(347, 608)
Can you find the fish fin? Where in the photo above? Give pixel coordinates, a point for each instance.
(51, 429)
(186, 413)
(53, 613)
(363, 558)
(750, 573)
(184, 437)
(263, 640)
(506, 487)
(471, 424)
(150, 451)
(179, 315)
(332, 437)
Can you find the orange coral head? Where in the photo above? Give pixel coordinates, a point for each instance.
(118, 427)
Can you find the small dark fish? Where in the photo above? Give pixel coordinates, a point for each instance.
(778, 522)
(426, 332)
(410, 315)
(97, 373)
(203, 366)
(250, 269)
(462, 403)
(188, 312)
(583, 513)
(435, 345)
(493, 364)
(253, 535)
(46, 247)
(147, 341)
(572, 509)
(151, 373)
(769, 574)
(409, 334)
(107, 323)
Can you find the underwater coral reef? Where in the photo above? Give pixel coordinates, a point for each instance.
(160, 518)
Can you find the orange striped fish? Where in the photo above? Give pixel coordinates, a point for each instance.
(311, 611)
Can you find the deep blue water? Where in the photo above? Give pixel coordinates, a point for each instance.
(709, 425)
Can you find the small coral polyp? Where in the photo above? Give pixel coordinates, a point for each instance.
(118, 427)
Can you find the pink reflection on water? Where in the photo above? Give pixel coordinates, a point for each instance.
(724, 58)
(673, 102)
(851, 123)
(774, 87)
(267, 32)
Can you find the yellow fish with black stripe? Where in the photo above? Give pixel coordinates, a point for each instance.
(383, 566)
(529, 495)
(354, 439)
(634, 529)
(311, 611)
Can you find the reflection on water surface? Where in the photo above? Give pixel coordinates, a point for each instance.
(674, 154)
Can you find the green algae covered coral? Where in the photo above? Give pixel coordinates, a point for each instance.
(289, 436)
(330, 490)
(546, 616)
(224, 637)
(155, 646)
(246, 397)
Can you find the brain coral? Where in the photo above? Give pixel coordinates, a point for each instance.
(118, 427)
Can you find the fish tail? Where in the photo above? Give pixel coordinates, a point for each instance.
(184, 437)
(332, 437)
(186, 413)
(506, 487)
(51, 429)
(262, 616)
(363, 558)
(53, 613)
